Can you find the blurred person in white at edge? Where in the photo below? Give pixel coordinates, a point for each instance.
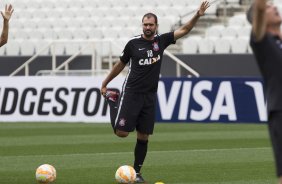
(5, 30)
(266, 42)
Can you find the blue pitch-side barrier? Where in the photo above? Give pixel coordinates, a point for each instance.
(211, 100)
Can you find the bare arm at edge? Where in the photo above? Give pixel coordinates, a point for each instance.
(259, 19)
(6, 17)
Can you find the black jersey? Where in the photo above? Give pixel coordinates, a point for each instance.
(268, 53)
(144, 58)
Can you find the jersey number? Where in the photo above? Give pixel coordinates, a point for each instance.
(150, 53)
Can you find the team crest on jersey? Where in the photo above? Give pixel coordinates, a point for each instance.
(156, 46)
(122, 122)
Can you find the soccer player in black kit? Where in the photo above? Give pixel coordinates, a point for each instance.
(266, 42)
(134, 108)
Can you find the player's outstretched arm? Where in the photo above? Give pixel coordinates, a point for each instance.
(186, 28)
(259, 19)
(118, 67)
(6, 17)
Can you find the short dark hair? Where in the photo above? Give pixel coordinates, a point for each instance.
(149, 15)
(250, 13)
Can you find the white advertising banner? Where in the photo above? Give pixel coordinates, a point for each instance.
(54, 99)
(78, 99)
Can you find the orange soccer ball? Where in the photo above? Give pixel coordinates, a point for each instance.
(125, 174)
(45, 173)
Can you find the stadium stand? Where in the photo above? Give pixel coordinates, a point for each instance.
(232, 37)
(39, 20)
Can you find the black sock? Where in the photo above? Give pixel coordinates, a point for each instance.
(140, 154)
(113, 112)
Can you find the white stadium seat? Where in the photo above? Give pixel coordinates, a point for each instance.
(23, 14)
(161, 11)
(18, 5)
(41, 44)
(222, 45)
(44, 24)
(35, 34)
(240, 45)
(134, 22)
(59, 48)
(194, 2)
(106, 4)
(29, 23)
(70, 13)
(2, 50)
(60, 23)
(190, 45)
(238, 20)
(165, 2)
(244, 31)
(206, 45)
(64, 4)
(90, 3)
(183, 3)
(16, 24)
(39, 13)
(84, 13)
(47, 4)
(215, 31)
(49, 34)
(64, 34)
(230, 31)
(13, 48)
(107, 22)
(121, 22)
(77, 4)
(123, 3)
(130, 12)
(75, 22)
(111, 33)
(95, 33)
(80, 34)
(126, 33)
(71, 48)
(119, 45)
(165, 25)
(115, 12)
(55, 13)
(27, 47)
(89, 23)
(88, 49)
(19, 34)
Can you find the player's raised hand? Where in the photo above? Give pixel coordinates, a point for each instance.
(8, 12)
(203, 7)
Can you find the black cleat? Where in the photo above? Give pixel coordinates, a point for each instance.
(112, 95)
(139, 178)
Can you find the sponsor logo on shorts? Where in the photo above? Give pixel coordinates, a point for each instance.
(122, 122)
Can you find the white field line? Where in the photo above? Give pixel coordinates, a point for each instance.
(149, 152)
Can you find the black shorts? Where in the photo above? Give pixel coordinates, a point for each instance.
(136, 111)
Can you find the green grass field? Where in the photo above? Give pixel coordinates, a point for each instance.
(178, 153)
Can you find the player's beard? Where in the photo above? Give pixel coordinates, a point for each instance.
(148, 33)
